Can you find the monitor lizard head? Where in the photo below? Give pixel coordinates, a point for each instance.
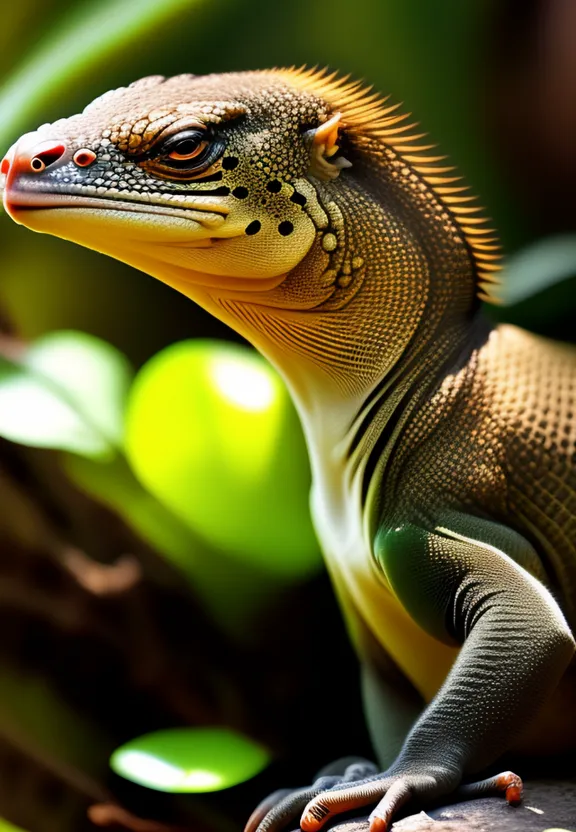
(287, 190)
(191, 177)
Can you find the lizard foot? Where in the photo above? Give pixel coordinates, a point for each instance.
(331, 795)
(285, 805)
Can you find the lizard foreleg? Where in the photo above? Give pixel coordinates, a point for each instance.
(516, 647)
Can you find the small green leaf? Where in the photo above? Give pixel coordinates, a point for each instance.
(94, 375)
(537, 267)
(66, 391)
(190, 760)
(212, 433)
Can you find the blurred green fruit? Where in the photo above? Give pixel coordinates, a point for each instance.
(212, 433)
(190, 760)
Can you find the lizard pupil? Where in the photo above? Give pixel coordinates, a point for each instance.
(186, 154)
(187, 149)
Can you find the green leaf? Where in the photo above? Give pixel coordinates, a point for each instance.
(94, 375)
(212, 433)
(86, 36)
(537, 267)
(66, 391)
(190, 760)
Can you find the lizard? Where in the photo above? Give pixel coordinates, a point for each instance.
(311, 215)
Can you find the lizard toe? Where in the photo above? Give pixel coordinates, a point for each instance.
(506, 782)
(282, 807)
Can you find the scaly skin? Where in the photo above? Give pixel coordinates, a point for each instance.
(302, 211)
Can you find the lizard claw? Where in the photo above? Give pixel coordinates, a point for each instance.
(506, 782)
(285, 805)
(281, 807)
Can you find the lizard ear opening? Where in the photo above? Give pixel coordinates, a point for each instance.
(325, 163)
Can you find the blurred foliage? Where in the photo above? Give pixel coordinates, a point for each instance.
(211, 432)
(190, 759)
(9, 827)
(68, 391)
(540, 265)
(32, 713)
(74, 44)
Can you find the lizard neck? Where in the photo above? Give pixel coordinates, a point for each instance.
(384, 297)
(352, 419)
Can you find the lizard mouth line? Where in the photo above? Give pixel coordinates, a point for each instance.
(22, 201)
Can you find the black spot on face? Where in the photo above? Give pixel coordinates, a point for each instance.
(285, 228)
(274, 186)
(253, 228)
(240, 192)
(230, 162)
(299, 199)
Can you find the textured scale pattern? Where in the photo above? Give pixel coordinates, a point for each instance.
(498, 439)
(367, 114)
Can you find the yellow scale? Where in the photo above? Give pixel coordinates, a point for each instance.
(364, 595)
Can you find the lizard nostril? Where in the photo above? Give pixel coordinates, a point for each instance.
(5, 167)
(84, 157)
(46, 157)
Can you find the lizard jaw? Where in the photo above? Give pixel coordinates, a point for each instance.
(155, 239)
(49, 212)
(197, 245)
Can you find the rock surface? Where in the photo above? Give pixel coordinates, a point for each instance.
(547, 805)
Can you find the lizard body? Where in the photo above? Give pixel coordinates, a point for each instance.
(303, 211)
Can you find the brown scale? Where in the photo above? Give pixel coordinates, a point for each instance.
(499, 439)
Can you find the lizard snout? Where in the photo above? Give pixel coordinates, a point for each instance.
(33, 158)
(23, 164)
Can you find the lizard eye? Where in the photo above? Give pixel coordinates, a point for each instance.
(187, 146)
(185, 155)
